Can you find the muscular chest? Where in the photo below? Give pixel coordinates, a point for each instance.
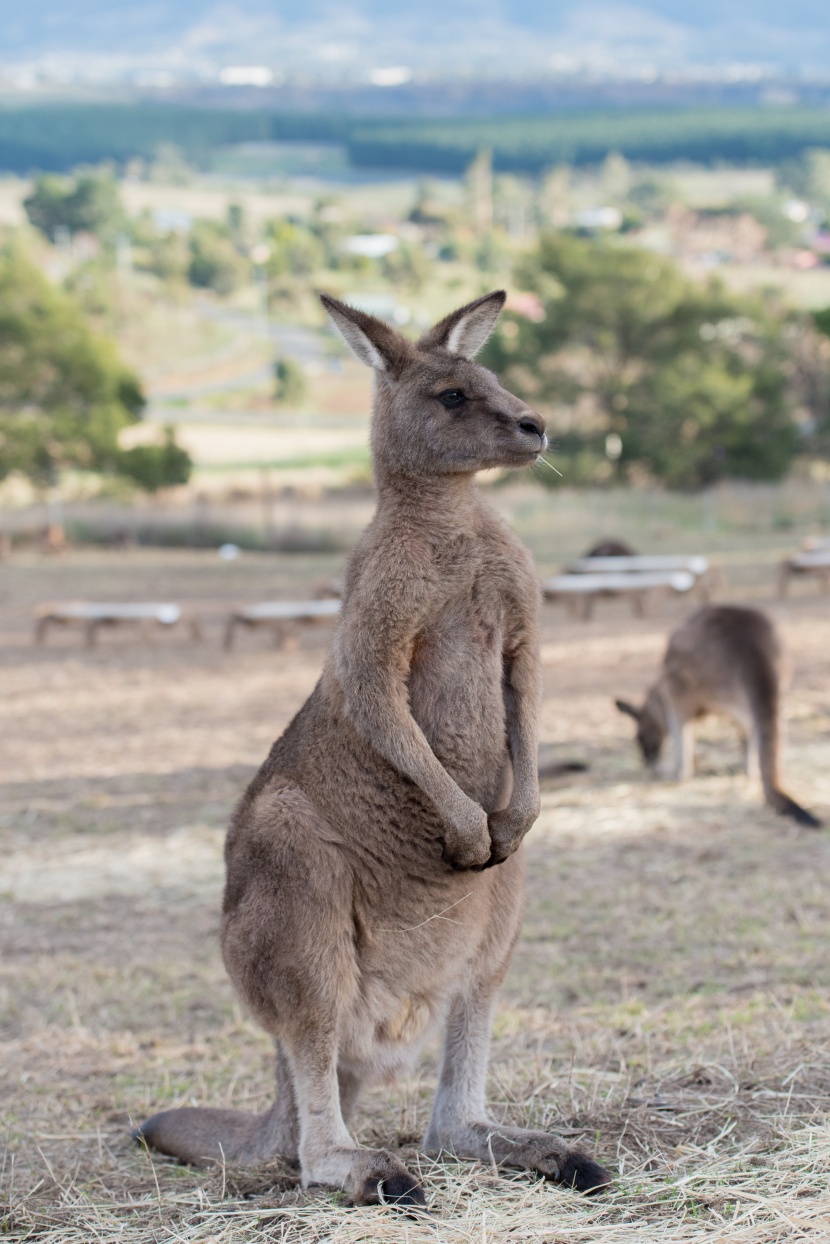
(467, 628)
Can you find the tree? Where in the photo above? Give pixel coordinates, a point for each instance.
(89, 204)
(406, 267)
(812, 376)
(295, 250)
(215, 262)
(691, 379)
(65, 396)
(291, 384)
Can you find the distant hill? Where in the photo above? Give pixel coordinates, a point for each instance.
(512, 36)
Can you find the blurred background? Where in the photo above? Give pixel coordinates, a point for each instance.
(184, 450)
(652, 186)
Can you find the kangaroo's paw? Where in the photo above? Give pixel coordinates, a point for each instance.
(467, 856)
(368, 1177)
(533, 1151)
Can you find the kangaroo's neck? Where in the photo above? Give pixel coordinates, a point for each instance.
(434, 502)
(656, 705)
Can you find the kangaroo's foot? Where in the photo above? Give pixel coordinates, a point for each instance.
(367, 1176)
(518, 1146)
(459, 1122)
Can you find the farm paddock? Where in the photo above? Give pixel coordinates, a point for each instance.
(669, 1001)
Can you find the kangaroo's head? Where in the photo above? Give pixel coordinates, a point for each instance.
(437, 411)
(651, 725)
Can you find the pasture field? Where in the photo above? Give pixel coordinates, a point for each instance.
(669, 1001)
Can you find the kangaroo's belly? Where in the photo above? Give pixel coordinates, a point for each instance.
(417, 958)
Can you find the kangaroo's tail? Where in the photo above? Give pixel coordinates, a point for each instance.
(202, 1137)
(785, 806)
(766, 713)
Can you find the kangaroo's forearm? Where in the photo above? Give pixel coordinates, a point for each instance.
(384, 721)
(522, 697)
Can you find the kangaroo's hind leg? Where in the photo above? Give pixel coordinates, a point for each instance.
(290, 948)
(460, 1123)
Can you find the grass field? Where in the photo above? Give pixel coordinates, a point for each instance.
(669, 1002)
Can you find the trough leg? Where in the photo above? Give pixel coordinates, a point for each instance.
(230, 629)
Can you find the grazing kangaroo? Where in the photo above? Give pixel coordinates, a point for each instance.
(723, 659)
(610, 548)
(361, 911)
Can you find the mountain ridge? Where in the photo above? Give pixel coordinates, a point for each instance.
(341, 38)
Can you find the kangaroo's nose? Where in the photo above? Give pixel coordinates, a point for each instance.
(533, 425)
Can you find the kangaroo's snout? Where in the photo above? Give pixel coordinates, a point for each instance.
(532, 425)
(532, 428)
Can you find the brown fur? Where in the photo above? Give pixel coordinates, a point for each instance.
(724, 659)
(361, 911)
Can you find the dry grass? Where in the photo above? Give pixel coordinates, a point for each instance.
(669, 1004)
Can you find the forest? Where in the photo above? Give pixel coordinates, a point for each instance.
(61, 136)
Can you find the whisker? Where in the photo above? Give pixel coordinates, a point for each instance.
(539, 458)
(439, 915)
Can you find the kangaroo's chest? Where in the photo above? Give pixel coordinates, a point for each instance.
(456, 674)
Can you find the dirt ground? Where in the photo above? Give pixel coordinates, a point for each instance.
(669, 1002)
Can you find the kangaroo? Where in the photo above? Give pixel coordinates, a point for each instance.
(610, 548)
(374, 879)
(723, 659)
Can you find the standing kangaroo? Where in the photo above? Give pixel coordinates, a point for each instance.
(723, 659)
(360, 909)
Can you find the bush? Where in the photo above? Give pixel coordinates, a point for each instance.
(156, 466)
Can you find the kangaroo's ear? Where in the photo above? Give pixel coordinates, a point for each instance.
(627, 708)
(370, 340)
(465, 331)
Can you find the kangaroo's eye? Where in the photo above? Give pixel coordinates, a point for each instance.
(451, 399)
